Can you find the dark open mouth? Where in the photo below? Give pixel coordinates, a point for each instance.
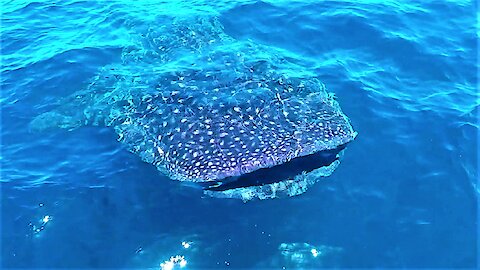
(278, 173)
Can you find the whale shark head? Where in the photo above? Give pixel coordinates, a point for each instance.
(237, 132)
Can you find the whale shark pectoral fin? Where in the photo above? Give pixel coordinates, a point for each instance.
(54, 119)
(73, 113)
(97, 104)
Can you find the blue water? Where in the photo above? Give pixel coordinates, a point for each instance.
(405, 194)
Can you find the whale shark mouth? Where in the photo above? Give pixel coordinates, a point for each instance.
(279, 173)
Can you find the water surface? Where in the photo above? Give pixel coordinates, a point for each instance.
(405, 194)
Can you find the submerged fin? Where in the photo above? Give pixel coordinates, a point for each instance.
(99, 103)
(52, 120)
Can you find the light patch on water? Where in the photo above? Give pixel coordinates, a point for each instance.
(39, 226)
(186, 245)
(174, 261)
(46, 219)
(305, 255)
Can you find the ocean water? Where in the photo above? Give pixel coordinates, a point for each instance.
(404, 196)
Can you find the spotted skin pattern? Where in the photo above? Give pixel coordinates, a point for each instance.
(249, 125)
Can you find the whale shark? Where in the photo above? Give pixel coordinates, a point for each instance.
(236, 118)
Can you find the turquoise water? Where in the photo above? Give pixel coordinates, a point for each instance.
(405, 194)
